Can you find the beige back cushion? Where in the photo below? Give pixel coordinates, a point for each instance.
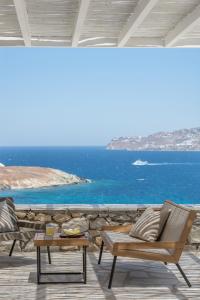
(164, 215)
(175, 224)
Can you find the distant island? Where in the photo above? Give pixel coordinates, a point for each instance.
(179, 140)
(16, 177)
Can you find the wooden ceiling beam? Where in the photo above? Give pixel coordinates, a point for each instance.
(142, 10)
(22, 17)
(83, 9)
(185, 25)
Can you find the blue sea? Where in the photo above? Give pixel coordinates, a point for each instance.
(168, 175)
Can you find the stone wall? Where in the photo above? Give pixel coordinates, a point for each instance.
(87, 217)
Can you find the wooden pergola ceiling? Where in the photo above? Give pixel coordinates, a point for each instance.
(100, 23)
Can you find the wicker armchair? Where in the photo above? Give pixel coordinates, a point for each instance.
(16, 230)
(167, 249)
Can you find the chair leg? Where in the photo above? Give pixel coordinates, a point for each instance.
(112, 272)
(100, 253)
(49, 254)
(183, 274)
(13, 245)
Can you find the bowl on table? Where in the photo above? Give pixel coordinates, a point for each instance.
(71, 232)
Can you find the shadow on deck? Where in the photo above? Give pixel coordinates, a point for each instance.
(133, 279)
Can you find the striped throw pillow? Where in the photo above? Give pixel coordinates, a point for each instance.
(8, 219)
(147, 226)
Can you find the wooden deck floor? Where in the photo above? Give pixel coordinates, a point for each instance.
(134, 279)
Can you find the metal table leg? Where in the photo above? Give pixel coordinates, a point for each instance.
(49, 254)
(84, 264)
(83, 273)
(38, 265)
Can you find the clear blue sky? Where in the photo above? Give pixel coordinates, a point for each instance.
(88, 96)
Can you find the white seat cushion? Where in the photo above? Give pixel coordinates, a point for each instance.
(117, 237)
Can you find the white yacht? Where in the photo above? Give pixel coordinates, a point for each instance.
(140, 162)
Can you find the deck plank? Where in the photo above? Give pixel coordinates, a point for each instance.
(134, 279)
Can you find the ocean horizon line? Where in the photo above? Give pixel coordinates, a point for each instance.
(53, 146)
(95, 147)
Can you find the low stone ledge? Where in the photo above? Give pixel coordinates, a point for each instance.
(93, 207)
(85, 207)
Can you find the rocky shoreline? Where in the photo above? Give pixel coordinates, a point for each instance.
(17, 177)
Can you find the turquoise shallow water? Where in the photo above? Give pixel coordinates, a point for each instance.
(169, 175)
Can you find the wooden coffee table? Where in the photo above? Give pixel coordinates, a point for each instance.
(41, 240)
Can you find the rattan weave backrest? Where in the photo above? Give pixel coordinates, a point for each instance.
(178, 224)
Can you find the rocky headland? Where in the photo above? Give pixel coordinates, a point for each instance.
(179, 140)
(17, 177)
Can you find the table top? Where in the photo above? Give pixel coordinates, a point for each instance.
(41, 239)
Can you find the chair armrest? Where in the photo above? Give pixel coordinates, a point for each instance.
(148, 245)
(32, 225)
(117, 228)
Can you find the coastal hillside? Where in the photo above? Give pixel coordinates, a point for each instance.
(179, 140)
(15, 177)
